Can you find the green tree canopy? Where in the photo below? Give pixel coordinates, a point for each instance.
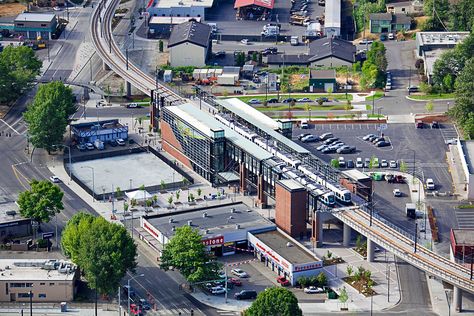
(186, 252)
(463, 110)
(275, 301)
(48, 114)
(104, 251)
(41, 202)
(18, 69)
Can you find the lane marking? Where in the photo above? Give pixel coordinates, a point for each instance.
(11, 127)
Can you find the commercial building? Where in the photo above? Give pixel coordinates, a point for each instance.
(322, 80)
(190, 44)
(35, 26)
(466, 153)
(12, 225)
(179, 8)
(105, 131)
(331, 52)
(462, 245)
(48, 280)
(332, 22)
(428, 41)
(224, 228)
(389, 22)
(161, 26)
(406, 7)
(284, 255)
(254, 9)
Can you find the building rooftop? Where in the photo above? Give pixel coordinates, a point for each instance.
(207, 124)
(291, 184)
(387, 16)
(280, 244)
(468, 149)
(260, 3)
(440, 38)
(97, 125)
(332, 13)
(322, 74)
(331, 47)
(259, 120)
(282, 59)
(36, 270)
(192, 32)
(183, 3)
(212, 221)
(35, 17)
(464, 237)
(401, 18)
(172, 19)
(355, 174)
(9, 212)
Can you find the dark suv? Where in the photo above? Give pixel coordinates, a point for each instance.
(245, 294)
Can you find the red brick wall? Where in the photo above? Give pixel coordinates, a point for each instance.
(290, 211)
(171, 145)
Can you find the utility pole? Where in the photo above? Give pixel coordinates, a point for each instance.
(416, 235)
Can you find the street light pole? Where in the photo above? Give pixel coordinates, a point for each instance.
(416, 235)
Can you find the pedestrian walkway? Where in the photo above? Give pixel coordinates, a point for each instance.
(457, 172)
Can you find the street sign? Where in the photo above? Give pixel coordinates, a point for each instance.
(48, 235)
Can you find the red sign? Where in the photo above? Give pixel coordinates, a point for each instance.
(151, 230)
(215, 241)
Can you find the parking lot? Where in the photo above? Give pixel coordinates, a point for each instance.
(407, 143)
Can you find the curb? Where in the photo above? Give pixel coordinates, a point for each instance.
(427, 100)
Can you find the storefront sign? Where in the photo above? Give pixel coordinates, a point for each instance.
(152, 230)
(215, 241)
(308, 266)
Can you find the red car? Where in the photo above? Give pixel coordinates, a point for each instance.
(235, 281)
(283, 281)
(135, 310)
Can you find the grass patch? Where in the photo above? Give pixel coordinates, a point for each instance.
(340, 97)
(433, 96)
(375, 116)
(299, 108)
(283, 115)
(464, 206)
(377, 95)
(368, 107)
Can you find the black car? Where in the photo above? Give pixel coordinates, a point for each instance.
(330, 140)
(289, 100)
(383, 143)
(300, 136)
(219, 54)
(350, 164)
(273, 100)
(269, 51)
(371, 138)
(113, 143)
(434, 124)
(377, 139)
(246, 294)
(322, 99)
(81, 147)
(328, 150)
(346, 150)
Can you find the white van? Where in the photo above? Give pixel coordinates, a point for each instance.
(304, 124)
(213, 27)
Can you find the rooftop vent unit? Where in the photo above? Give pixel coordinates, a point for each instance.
(207, 231)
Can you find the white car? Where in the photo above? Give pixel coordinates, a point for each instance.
(240, 273)
(452, 141)
(430, 184)
(254, 101)
(391, 36)
(245, 41)
(393, 164)
(309, 138)
(359, 163)
(218, 290)
(397, 192)
(54, 179)
(313, 290)
(384, 163)
(120, 142)
(56, 8)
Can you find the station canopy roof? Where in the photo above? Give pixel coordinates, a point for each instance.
(261, 3)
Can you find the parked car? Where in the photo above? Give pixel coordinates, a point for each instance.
(377, 139)
(289, 100)
(234, 281)
(309, 139)
(322, 99)
(56, 8)
(254, 101)
(383, 163)
(240, 273)
(337, 145)
(434, 124)
(365, 41)
(113, 143)
(452, 141)
(371, 138)
(397, 192)
(245, 41)
(390, 178)
(273, 100)
(219, 54)
(301, 136)
(367, 163)
(391, 36)
(368, 136)
(383, 143)
(304, 100)
(313, 290)
(328, 150)
(350, 164)
(245, 295)
(419, 124)
(218, 290)
(325, 136)
(120, 142)
(133, 106)
(54, 179)
(144, 304)
(359, 163)
(342, 162)
(90, 146)
(393, 164)
(331, 140)
(283, 281)
(321, 147)
(81, 147)
(383, 37)
(412, 89)
(430, 185)
(346, 150)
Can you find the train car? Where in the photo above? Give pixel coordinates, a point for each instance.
(327, 197)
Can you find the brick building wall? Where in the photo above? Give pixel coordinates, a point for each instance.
(290, 209)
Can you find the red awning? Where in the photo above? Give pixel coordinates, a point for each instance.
(261, 3)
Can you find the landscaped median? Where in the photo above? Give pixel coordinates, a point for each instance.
(377, 95)
(431, 97)
(314, 96)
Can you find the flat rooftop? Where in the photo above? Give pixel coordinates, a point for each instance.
(97, 125)
(218, 220)
(165, 4)
(464, 237)
(440, 38)
(127, 172)
(332, 13)
(172, 19)
(35, 17)
(468, 149)
(291, 184)
(34, 270)
(279, 243)
(355, 174)
(9, 213)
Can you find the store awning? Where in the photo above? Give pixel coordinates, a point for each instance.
(261, 3)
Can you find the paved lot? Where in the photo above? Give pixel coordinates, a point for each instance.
(407, 142)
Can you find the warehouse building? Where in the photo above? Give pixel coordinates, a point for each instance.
(332, 22)
(190, 44)
(48, 280)
(161, 26)
(105, 131)
(35, 26)
(179, 8)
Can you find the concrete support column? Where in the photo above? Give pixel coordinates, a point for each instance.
(370, 250)
(457, 299)
(317, 230)
(129, 89)
(243, 176)
(105, 66)
(346, 235)
(261, 197)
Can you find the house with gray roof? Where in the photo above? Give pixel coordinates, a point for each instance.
(190, 44)
(389, 22)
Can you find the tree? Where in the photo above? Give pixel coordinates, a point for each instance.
(47, 115)
(348, 106)
(161, 46)
(186, 252)
(275, 301)
(104, 251)
(322, 279)
(343, 296)
(429, 106)
(41, 202)
(19, 67)
(307, 107)
(177, 195)
(349, 271)
(463, 108)
(199, 192)
(372, 162)
(403, 166)
(170, 200)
